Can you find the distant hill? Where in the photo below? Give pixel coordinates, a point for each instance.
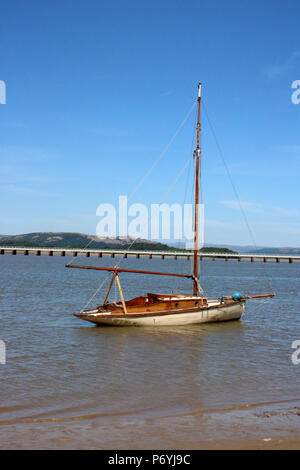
(278, 251)
(234, 248)
(268, 250)
(81, 240)
(216, 249)
(77, 240)
(250, 249)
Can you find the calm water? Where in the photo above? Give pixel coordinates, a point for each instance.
(63, 370)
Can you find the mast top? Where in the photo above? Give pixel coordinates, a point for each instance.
(199, 89)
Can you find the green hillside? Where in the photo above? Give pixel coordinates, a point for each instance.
(80, 240)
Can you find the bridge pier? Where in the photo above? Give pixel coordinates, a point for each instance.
(38, 251)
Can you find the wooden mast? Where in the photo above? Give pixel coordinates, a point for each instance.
(197, 154)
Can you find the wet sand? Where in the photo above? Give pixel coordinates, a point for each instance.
(284, 443)
(69, 385)
(265, 426)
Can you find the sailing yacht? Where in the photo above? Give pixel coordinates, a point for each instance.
(168, 309)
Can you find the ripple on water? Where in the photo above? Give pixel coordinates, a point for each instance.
(60, 367)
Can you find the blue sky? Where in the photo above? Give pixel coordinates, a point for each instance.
(96, 89)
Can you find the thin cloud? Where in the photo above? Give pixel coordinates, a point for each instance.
(275, 71)
(295, 149)
(213, 223)
(14, 173)
(166, 93)
(273, 211)
(26, 191)
(248, 206)
(103, 131)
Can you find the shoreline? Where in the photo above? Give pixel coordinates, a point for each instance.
(269, 426)
(283, 443)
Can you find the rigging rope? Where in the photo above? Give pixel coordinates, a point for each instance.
(160, 157)
(149, 219)
(138, 186)
(233, 187)
(94, 294)
(255, 308)
(172, 186)
(163, 152)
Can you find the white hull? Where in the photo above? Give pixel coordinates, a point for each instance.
(219, 314)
